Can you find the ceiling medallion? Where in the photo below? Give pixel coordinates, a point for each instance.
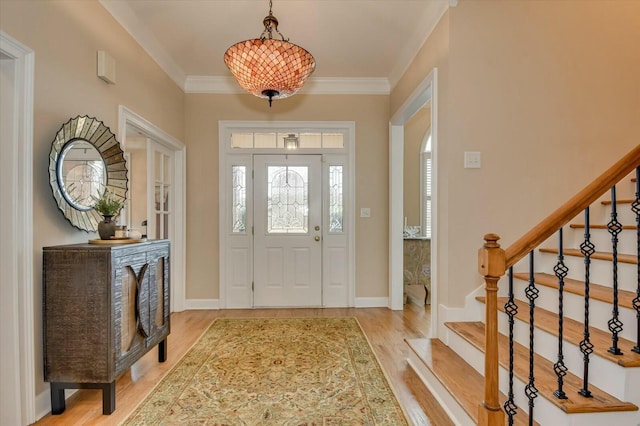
(269, 68)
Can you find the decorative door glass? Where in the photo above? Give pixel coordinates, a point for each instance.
(336, 199)
(163, 187)
(288, 199)
(239, 199)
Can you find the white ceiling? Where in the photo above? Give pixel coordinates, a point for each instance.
(356, 43)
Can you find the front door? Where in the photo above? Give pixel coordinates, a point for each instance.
(287, 235)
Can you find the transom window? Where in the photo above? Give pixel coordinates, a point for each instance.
(275, 140)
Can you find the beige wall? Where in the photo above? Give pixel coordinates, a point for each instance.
(371, 115)
(548, 92)
(434, 54)
(415, 130)
(65, 36)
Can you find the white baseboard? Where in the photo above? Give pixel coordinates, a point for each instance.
(372, 302)
(43, 404)
(43, 401)
(361, 302)
(201, 304)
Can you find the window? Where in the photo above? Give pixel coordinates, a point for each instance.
(239, 201)
(287, 199)
(275, 139)
(427, 170)
(336, 199)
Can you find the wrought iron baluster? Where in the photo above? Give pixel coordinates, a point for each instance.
(636, 302)
(561, 271)
(615, 325)
(532, 294)
(512, 310)
(586, 347)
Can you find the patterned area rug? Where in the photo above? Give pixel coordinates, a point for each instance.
(284, 371)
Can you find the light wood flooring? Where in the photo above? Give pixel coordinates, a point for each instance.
(385, 329)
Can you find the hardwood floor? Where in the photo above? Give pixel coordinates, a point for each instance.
(385, 329)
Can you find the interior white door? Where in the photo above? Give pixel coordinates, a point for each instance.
(287, 231)
(160, 190)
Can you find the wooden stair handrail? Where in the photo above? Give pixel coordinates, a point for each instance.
(573, 207)
(493, 262)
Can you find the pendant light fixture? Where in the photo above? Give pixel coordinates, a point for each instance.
(291, 141)
(269, 68)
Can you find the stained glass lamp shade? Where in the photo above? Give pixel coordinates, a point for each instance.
(269, 68)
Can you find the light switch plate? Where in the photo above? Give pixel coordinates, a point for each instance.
(472, 160)
(365, 212)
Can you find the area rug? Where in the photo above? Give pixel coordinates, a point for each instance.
(275, 371)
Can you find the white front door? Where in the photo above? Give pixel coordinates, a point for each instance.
(288, 230)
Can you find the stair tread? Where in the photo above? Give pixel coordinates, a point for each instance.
(600, 255)
(596, 291)
(599, 226)
(622, 201)
(457, 376)
(545, 378)
(573, 333)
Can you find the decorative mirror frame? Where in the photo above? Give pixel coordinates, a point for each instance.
(93, 131)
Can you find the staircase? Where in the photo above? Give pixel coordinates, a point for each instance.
(554, 337)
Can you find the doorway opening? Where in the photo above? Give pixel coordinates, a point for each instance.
(156, 204)
(286, 214)
(424, 94)
(17, 356)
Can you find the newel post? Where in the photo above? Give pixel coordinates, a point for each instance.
(491, 265)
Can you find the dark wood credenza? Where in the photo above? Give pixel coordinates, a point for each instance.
(104, 307)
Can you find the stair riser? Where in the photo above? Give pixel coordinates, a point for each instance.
(601, 239)
(625, 215)
(447, 401)
(604, 374)
(632, 388)
(601, 272)
(545, 413)
(573, 307)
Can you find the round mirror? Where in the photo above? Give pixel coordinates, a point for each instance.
(85, 161)
(82, 173)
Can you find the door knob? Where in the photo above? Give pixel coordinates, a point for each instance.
(317, 228)
(317, 238)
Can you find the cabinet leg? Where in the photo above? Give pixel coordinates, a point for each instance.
(57, 398)
(162, 351)
(426, 294)
(108, 397)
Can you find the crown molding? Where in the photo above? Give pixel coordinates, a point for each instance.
(314, 86)
(125, 16)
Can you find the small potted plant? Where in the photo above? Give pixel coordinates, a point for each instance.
(108, 206)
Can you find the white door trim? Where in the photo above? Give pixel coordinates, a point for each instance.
(127, 120)
(226, 153)
(21, 190)
(426, 90)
